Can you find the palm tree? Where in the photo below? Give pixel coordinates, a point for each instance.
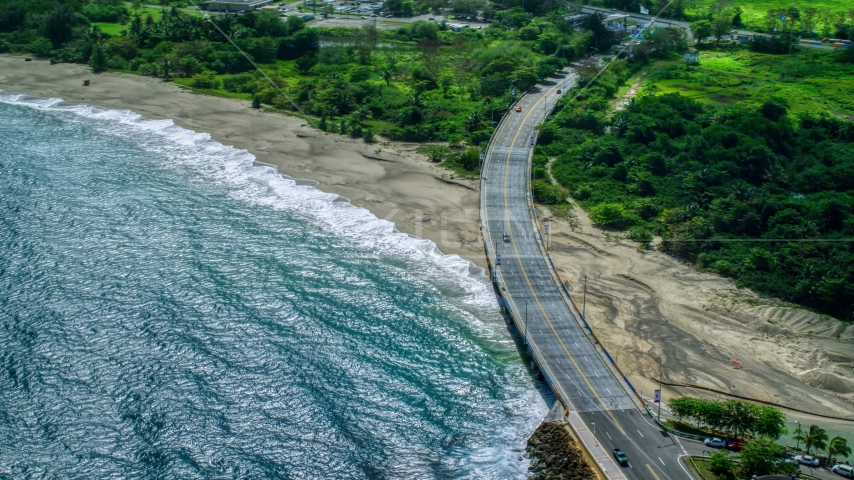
(815, 436)
(738, 417)
(838, 447)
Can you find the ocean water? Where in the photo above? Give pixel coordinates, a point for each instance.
(169, 308)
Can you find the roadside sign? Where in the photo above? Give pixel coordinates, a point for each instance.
(657, 397)
(547, 228)
(498, 259)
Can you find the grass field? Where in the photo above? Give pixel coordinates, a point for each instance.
(754, 11)
(810, 82)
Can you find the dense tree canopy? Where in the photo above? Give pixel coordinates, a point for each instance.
(749, 193)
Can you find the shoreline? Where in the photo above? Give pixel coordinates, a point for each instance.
(393, 182)
(651, 309)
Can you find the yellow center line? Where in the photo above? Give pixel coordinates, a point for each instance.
(525, 273)
(652, 472)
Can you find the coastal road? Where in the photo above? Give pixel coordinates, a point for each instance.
(571, 364)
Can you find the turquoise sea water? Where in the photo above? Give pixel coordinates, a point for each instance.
(169, 309)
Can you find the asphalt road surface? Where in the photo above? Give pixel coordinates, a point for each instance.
(574, 368)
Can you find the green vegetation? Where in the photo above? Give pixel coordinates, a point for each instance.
(809, 18)
(758, 188)
(419, 83)
(733, 417)
(813, 437)
(812, 82)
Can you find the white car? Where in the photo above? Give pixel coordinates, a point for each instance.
(807, 460)
(714, 442)
(844, 470)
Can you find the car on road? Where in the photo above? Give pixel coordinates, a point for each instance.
(506, 237)
(518, 108)
(734, 445)
(714, 442)
(621, 457)
(373, 14)
(559, 91)
(807, 460)
(364, 17)
(844, 470)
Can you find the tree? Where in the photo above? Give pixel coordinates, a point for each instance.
(769, 422)
(701, 30)
(813, 437)
(98, 60)
(58, 25)
(256, 103)
(758, 457)
(738, 417)
(721, 27)
(721, 464)
(611, 215)
(306, 62)
(683, 407)
(838, 447)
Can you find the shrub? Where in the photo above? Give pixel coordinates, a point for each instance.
(548, 194)
(612, 215)
(206, 80)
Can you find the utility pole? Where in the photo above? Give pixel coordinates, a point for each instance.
(584, 304)
(798, 436)
(526, 320)
(660, 396)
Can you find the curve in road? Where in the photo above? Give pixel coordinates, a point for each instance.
(549, 324)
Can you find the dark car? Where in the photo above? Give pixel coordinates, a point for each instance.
(734, 445)
(621, 457)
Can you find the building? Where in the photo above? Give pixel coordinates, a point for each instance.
(692, 57)
(233, 6)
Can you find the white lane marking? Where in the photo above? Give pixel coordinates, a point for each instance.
(579, 392)
(597, 374)
(639, 433)
(609, 391)
(576, 343)
(609, 435)
(660, 460)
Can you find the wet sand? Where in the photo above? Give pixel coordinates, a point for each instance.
(652, 311)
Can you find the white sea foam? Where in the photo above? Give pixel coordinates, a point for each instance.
(263, 185)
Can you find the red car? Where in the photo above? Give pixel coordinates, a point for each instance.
(518, 108)
(734, 445)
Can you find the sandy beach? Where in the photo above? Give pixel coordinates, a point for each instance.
(394, 182)
(655, 313)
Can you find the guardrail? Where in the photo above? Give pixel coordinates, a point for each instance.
(506, 301)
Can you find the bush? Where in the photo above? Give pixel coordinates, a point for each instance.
(548, 194)
(206, 80)
(721, 464)
(612, 215)
(368, 136)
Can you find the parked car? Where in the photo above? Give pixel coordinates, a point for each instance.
(844, 470)
(734, 445)
(714, 442)
(621, 457)
(807, 460)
